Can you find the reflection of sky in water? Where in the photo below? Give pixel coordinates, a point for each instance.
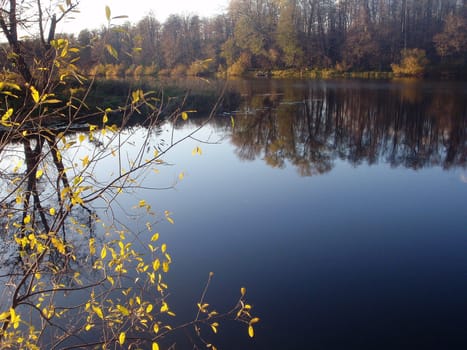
(370, 254)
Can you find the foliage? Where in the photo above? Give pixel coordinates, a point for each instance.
(287, 35)
(240, 66)
(413, 63)
(201, 67)
(76, 278)
(451, 43)
(356, 35)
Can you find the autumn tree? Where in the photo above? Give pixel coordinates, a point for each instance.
(452, 41)
(148, 41)
(287, 35)
(361, 48)
(264, 34)
(69, 284)
(413, 63)
(253, 24)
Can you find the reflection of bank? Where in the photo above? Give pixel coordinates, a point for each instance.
(310, 125)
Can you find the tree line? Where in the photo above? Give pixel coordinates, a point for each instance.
(405, 36)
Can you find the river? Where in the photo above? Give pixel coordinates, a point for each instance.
(341, 206)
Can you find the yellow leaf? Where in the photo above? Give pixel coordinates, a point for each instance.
(155, 237)
(181, 176)
(184, 115)
(163, 248)
(242, 291)
(27, 219)
(112, 51)
(34, 94)
(232, 121)
(254, 320)
(165, 266)
(156, 328)
(202, 308)
(156, 264)
(196, 150)
(76, 199)
(123, 310)
(92, 246)
(135, 95)
(121, 338)
(14, 318)
(142, 203)
(105, 119)
(52, 100)
(149, 308)
(58, 244)
(39, 173)
(107, 13)
(103, 252)
(213, 313)
(52, 211)
(214, 326)
(98, 311)
(85, 160)
(251, 331)
(164, 307)
(7, 114)
(82, 138)
(155, 346)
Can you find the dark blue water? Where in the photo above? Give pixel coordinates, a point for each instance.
(340, 206)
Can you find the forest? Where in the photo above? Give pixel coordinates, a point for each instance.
(271, 37)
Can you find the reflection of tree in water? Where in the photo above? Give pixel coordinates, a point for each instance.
(76, 286)
(311, 128)
(34, 186)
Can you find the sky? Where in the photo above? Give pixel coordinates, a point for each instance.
(92, 12)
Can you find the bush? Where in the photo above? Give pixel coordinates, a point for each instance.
(150, 70)
(98, 70)
(164, 72)
(240, 66)
(114, 70)
(413, 63)
(201, 67)
(138, 71)
(179, 70)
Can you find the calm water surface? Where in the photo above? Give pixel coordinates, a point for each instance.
(341, 206)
